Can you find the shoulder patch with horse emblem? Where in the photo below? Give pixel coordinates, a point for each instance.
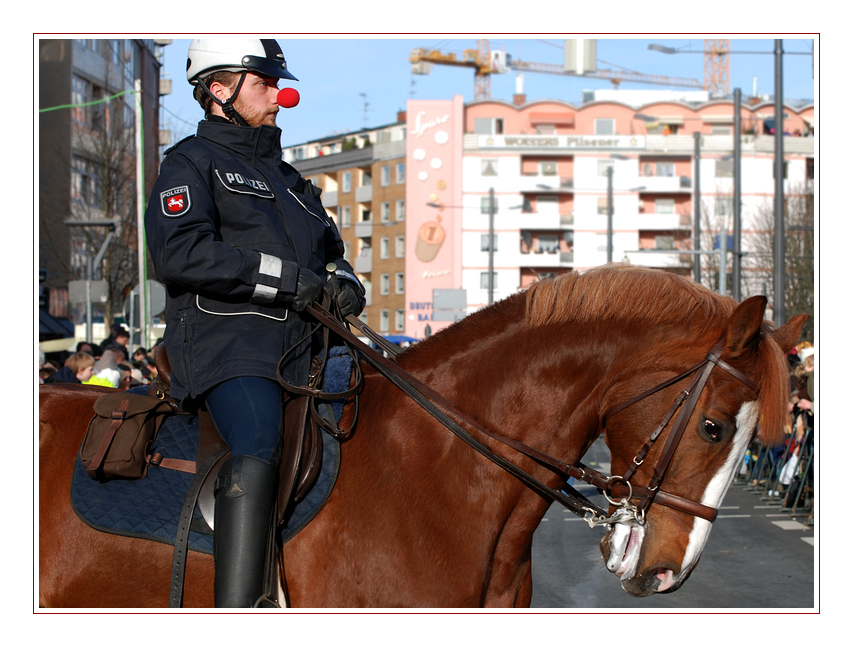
(175, 202)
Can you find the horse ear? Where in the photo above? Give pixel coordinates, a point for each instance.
(745, 324)
(788, 335)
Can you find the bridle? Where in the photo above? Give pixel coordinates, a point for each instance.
(619, 490)
(688, 398)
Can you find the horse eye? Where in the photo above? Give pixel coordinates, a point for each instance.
(712, 430)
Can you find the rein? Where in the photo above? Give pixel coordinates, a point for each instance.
(613, 487)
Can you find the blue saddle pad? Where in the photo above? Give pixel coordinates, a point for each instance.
(149, 508)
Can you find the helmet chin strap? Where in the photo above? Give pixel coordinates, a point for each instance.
(228, 105)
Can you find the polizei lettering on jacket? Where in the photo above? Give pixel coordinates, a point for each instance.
(241, 183)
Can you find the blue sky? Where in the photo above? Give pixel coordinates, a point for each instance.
(334, 73)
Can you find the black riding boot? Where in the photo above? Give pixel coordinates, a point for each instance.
(243, 516)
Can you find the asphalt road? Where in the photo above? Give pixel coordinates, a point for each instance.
(756, 558)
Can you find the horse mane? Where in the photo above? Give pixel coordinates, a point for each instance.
(633, 295)
(616, 291)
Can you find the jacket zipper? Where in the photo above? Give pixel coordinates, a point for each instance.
(302, 204)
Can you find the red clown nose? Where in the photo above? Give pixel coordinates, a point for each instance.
(288, 97)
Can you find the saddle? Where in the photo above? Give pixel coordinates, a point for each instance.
(301, 452)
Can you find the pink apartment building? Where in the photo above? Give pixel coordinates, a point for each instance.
(545, 165)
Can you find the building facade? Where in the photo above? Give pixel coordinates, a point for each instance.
(363, 179)
(498, 195)
(88, 153)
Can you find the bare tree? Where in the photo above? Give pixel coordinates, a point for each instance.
(799, 252)
(103, 187)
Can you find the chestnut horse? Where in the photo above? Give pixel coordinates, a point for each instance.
(418, 519)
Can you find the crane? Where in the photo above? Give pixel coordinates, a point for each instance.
(486, 62)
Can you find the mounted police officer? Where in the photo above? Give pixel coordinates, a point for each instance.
(241, 241)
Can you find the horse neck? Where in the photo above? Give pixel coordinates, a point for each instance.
(538, 386)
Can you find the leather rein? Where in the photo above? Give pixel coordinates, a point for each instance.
(618, 490)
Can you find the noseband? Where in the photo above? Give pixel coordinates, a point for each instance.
(618, 490)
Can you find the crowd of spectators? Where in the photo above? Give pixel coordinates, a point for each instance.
(786, 472)
(109, 363)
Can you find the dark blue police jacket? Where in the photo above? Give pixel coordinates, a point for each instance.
(229, 226)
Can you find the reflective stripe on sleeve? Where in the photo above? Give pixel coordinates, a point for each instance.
(264, 294)
(270, 265)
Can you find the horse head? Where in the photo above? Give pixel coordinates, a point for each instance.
(745, 392)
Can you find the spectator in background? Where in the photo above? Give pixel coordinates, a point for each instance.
(78, 368)
(106, 371)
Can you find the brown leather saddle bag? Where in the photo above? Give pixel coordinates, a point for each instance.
(118, 440)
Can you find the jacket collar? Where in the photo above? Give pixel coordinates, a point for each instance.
(261, 144)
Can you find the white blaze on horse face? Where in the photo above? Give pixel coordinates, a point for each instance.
(746, 421)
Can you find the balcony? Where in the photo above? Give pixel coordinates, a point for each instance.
(662, 221)
(329, 199)
(554, 258)
(364, 263)
(364, 194)
(655, 184)
(546, 184)
(364, 229)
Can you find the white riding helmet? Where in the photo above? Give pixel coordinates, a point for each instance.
(261, 55)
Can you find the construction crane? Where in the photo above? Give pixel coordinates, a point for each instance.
(486, 62)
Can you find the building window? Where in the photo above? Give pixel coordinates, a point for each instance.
(347, 182)
(724, 168)
(383, 321)
(484, 281)
(346, 217)
(385, 175)
(603, 165)
(346, 251)
(548, 168)
(85, 187)
(489, 168)
(664, 242)
(399, 283)
(385, 212)
(400, 246)
(488, 126)
(384, 248)
(665, 206)
(401, 173)
(485, 204)
(548, 244)
(605, 126)
(723, 206)
(366, 179)
(384, 284)
(400, 210)
(399, 320)
(665, 169)
(602, 207)
(484, 242)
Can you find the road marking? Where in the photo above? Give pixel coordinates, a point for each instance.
(733, 516)
(808, 540)
(789, 525)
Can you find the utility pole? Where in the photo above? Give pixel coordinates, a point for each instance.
(779, 206)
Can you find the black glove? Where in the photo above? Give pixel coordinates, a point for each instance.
(351, 299)
(309, 288)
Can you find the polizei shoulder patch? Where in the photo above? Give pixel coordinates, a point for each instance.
(175, 202)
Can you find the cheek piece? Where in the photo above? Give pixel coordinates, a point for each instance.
(288, 98)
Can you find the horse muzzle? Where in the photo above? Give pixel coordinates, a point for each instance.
(622, 548)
